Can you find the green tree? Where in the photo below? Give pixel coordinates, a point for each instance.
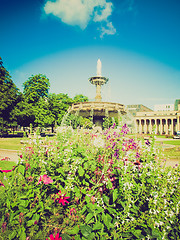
(25, 113)
(9, 97)
(58, 106)
(43, 116)
(80, 98)
(36, 87)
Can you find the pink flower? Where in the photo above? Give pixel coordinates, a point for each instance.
(54, 238)
(72, 210)
(62, 198)
(6, 171)
(45, 179)
(93, 199)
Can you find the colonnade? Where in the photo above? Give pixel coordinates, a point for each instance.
(168, 125)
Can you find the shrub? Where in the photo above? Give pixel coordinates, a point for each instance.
(88, 185)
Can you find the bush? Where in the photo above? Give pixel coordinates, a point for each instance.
(87, 185)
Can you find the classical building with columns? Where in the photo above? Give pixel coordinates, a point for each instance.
(162, 122)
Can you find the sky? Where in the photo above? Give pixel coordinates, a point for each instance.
(137, 41)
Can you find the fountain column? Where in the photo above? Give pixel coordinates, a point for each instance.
(98, 93)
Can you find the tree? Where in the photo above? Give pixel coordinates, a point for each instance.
(9, 97)
(58, 106)
(80, 98)
(36, 87)
(25, 113)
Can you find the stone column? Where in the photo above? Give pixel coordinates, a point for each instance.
(98, 93)
(145, 126)
(150, 126)
(160, 130)
(178, 123)
(166, 126)
(156, 123)
(140, 126)
(172, 127)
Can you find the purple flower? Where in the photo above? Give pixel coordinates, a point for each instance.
(124, 130)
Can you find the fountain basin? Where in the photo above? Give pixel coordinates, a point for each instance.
(97, 110)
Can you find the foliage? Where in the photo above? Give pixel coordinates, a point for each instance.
(80, 98)
(76, 121)
(89, 185)
(58, 105)
(9, 97)
(36, 87)
(24, 112)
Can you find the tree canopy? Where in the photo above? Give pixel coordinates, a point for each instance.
(9, 97)
(35, 105)
(81, 98)
(35, 87)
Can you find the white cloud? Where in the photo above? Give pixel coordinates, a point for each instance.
(108, 29)
(105, 12)
(81, 12)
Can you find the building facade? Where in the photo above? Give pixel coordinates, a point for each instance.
(162, 122)
(164, 107)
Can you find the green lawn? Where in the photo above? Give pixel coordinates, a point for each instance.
(175, 142)
(7, 165)
(10, 143)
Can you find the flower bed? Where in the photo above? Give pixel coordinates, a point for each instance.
(88, 185)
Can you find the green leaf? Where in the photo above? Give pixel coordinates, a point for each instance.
(29, 214)
(88, 217)
(30, 223)
(107, 220)
(81, 171)
(106, 199)
(84, 209)
(23, 235)
(36, 217)
(86, 165)
(21, 169)
(73, 231)
(137, 233)
(65, 236)
(97, 226)
(91, 236)
(85, 230)
(93, 167)
(23, 203)
(156, 234)
(7, 203)
(13, 235)
(115, 194)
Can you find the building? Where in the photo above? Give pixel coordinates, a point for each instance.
(164, 107)
(134, 108)
(162, 122)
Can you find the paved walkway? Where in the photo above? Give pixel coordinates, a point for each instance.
(12, 155)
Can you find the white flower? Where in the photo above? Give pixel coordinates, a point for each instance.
(99, 142)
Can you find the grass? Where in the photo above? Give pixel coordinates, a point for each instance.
(175, 142)
(10, 143)
(172, 153)
(6, 165)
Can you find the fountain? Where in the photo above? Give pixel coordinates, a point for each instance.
(98, 110)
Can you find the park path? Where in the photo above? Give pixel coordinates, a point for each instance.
(12, 155)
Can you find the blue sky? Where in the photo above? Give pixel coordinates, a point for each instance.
(138, 42)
